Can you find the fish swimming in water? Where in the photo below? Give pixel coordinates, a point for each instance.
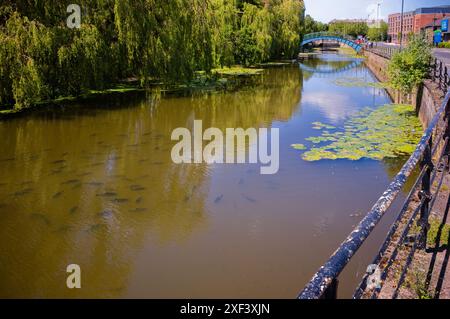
(84, 174)
(138, 210)
(249, 198)
(94, 183)
(71, 181)
(218, 199)
(107, 194)
(59, 162)
(23, 192)
(120, 200)
(58, 194)
(137, 188)
(76, 186)
(105, 213)
(41, 217)
(96, 227)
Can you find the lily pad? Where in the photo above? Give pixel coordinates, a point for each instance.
(321, 126)
(390, 131)
(299, 147)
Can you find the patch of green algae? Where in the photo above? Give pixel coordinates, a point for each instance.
(300, 147)
(389, 131)
(359, 82)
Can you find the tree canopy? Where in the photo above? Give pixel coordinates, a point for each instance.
(353, 29)
(41, 58)
(378, 33)
(408, 68)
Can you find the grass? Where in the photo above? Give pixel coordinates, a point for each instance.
(433, 232)
(416, 280)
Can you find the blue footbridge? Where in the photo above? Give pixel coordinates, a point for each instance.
(331, 37)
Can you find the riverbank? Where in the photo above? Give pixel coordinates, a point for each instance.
(223, 79)
(428, 271)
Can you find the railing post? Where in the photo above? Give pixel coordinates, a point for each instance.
(331, 291)
(425, 193)
(435, 69)
(447, 131)
(446, 80)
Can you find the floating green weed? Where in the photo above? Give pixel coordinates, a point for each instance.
(300, 147)
(321, 126)
(389, 131)
(237, 71)
(359, 82)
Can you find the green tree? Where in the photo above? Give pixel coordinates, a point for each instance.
(410, 67)
(353, 29)
(312, 26)
(287, 25)
(378, 33)
(42, 59)
(254, 40)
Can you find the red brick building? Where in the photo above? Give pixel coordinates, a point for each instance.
(415, 21)
(395, 21)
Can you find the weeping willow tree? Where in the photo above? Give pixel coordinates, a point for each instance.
(42, 59)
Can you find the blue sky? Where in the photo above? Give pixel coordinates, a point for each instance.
(327, 10)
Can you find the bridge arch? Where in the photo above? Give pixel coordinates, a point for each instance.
(349, 66)
(329, 36)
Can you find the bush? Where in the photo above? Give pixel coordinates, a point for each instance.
(445, 45)
(410, 67)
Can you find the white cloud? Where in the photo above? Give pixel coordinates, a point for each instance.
(335, 107)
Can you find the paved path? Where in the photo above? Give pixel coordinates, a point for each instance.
(443, 55)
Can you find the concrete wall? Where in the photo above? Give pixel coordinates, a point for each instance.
(426, 99)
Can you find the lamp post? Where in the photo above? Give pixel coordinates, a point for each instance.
(378, 15)
(401, 24)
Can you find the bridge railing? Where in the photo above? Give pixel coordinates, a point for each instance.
(381, 50)
(326, 34)
(434, 144)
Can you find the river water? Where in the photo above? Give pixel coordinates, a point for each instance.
(95, 185)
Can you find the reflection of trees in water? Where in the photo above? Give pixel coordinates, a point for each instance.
(68, 159)
(275, 98)
(394, 165)
(331, 64)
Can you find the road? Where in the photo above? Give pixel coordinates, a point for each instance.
(441, 54)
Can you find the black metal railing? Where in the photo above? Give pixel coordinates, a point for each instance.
(440, 74)
(324, 283)
(382, 50)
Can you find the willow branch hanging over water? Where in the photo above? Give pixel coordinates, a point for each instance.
(42, 59)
